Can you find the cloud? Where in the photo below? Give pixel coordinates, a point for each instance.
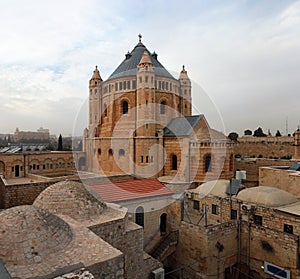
(243, 54)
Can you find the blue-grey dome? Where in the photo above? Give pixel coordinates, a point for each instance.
(129, 65)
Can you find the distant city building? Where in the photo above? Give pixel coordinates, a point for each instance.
(40, 135)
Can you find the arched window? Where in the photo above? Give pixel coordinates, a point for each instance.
(163, 223)
(110, 152)
(99, 151)
(207, 163)
(105, 110)
(174, 162)
(139, 216)
(231, 163)
(163, 107)
(125, 107)
(121, 152)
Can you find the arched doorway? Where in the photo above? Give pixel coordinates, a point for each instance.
(163, 223)
(139, 216)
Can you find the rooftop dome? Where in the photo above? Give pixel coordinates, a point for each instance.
(129, 65)
(214, 187)
(71, 198)
(29, 235)
(268, 196)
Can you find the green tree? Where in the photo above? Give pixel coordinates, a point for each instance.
(60, 143)
(259, 132)
(247, 132)
(278, 134)
(233, 136)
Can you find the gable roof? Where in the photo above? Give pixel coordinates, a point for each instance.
(130, 190)
(182, 126)
(128, 67)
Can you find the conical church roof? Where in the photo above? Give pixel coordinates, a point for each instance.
(129, 65)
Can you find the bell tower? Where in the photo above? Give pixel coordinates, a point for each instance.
(95, 85)
(145, 96)
(185, 93)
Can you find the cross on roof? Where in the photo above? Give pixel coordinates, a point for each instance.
(140, 38)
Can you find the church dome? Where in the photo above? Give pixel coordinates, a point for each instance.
(71, 198)
(28, 235)
(265, 195)
(128, 67)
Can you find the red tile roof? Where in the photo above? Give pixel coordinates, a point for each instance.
(130, 190)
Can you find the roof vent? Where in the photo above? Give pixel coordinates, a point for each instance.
(128, 55)
(154, 55)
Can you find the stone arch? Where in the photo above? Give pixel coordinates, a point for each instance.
(124, 106)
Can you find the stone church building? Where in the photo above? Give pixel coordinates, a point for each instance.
(141, 122)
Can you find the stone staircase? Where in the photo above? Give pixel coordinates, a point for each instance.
(166, 247)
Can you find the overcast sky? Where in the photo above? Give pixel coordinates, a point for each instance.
(243, 55)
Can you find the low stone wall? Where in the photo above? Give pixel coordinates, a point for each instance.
(280, 178)
(251, 166)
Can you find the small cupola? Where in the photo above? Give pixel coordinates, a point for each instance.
(96, 78)
(183, 73)
(145, 60)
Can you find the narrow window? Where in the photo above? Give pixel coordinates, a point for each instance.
(196, 205)
(257, 219)
(141, 80)
(134, 84)
(116, 86)
(99, 151)
(125, 107)
(174, 162)
(142, 159)
(124, 85)
(288, 228)
(214, 209)
(120, 85)
(110, 152)
(163, 223)
(147, 159)
(207, 163)
(162, 107)
(121, 152)
(146, 78)
(128, 84)
(233, 214)
(139, 216)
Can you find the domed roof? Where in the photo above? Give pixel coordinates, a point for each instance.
(71, 198)
(268, 196)
(214, 187)
(29, 235)
(129, 65)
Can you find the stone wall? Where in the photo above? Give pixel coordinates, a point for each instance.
(200, 236)
(265, 148)
(56, 163)
(251, 166)
(21, 194)
(280, 178)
